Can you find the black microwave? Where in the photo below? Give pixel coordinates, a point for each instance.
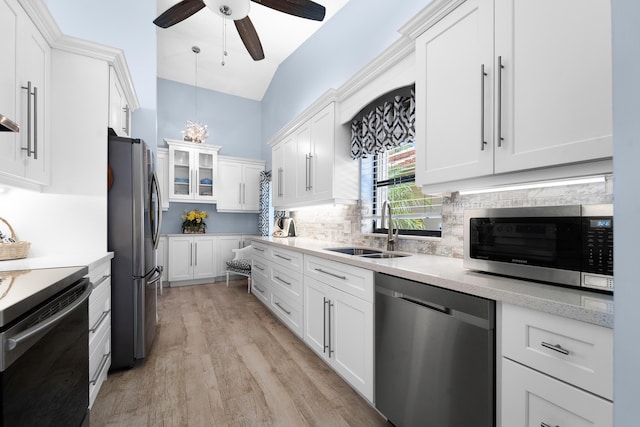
(565, 245)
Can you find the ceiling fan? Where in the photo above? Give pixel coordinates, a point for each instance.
(238, 11)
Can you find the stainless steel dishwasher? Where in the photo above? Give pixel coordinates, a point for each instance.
(435, 355)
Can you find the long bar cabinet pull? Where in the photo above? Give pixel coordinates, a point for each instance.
(483, 74)
(330, 349)
(283, 309)
(555, 347)
(103, 362)
(324, 325)
(29, 108)
(543, 424)
(500, 68)
(309, 172)
(331, 274)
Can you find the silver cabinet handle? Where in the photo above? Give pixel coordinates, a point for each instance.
(35, 123)
(258, 267)
(306, 172)
(258, 249)
(331, 274)
(282, 308)
(309, 172)
(258, 289)
(555, 347)
(101, 281)
(499, 112)
(324, 325)
(99, 322)
(103, 362)
(483, 74)
(282, 280)
(543, 424)
(329, 322)
(126, 122)
(283, 257)
(190, 253)
(196, 255)
(30, 129)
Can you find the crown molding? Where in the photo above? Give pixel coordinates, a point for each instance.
(429, 16)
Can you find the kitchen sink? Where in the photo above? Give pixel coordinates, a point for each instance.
(355, 251)
(384, 255)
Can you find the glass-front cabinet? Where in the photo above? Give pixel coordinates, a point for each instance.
(192, 171)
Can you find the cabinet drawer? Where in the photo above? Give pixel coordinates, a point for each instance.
(99, 359)
(287, 310)
(287, 258)
(352, 280)
(288, 282)
(261, 290)
(99, 307)
(100, 272)
(573, 351)
(530, 398)
(260, 269)
(261, 250)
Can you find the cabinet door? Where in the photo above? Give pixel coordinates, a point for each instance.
(556, 83)
(10, 152)
(180, 258)
(205, 262)
(290, 174)
(277, 167)
(36, 71)
(352, 340)
(251, 187)
(453, 113)
(315, 316)
(226, 244)
(322, 145)
(302, 139)
(205, 175)
(530, 398)
(230, 192)
(181, 173)
(116, 99)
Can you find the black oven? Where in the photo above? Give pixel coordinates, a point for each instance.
(44, 361)
(567, 245)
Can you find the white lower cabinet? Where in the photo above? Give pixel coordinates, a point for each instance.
(555, 371)
(530, 398)
(192, 258)
(338, 325)
(99, 328)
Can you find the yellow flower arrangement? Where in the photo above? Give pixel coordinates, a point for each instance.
(194, 220)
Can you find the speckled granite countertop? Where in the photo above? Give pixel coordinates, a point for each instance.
(590, 307)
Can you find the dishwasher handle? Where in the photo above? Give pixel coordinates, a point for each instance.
(429, 305)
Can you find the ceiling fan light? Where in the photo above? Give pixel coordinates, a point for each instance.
(232, 9)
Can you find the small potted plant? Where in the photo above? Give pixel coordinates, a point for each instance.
(193, 221)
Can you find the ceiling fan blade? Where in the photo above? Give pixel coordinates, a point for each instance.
(302, 8)
(178, 13)
(250, 38)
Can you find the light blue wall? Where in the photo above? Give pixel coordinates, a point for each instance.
(234, 122)
(626, 131)
(353, 37)
(126, 25)
(237, 223)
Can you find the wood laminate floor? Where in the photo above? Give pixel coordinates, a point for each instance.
(220, 358)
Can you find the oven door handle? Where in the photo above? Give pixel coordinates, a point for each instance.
(28, 333)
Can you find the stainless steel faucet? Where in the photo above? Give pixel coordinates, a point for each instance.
(391, 239)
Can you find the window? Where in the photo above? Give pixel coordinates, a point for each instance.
(390, 176)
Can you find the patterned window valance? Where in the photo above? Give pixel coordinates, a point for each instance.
(384, 127)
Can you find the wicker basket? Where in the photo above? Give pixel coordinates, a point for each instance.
(15, 250)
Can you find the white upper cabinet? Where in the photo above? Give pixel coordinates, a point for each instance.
(312, 163)
(192, 171)
(24, 97)
(239, 184)
(119, 110)
(508, 86)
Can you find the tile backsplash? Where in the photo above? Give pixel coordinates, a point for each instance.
(342, 223)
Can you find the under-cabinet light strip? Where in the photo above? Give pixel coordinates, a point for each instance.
(541, 184)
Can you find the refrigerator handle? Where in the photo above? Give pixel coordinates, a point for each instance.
(156, 225)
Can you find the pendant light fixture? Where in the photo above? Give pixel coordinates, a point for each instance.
(196, 131)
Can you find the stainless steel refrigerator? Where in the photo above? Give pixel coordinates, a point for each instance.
(133, 231)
